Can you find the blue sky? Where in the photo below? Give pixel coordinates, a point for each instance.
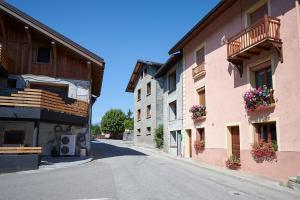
(120, 31)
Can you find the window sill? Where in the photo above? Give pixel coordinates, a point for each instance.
(138, 100)
(138, 120)
(148, 94)
(171, 91)
(148, 117)
(148, 134)
(139, 135)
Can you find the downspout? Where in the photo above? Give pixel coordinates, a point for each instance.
(298, 20)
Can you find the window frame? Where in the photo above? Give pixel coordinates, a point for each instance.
(139, 115)
(171, 111)
(202, 89)
(148, 130)
(37, 55)
(148, 111)
(202, 45)
(139, 94)
(174, 75)
(253, 8)
(257, 131)
(149, 88)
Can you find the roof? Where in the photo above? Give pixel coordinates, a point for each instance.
(205, 21)
(136, 72)
(40, 27)
(173, 59)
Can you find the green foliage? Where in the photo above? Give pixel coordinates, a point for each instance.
(95, 130)
(128, 123)
(113, 122)
(159, 136)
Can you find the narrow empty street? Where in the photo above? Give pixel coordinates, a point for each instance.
(120, 172)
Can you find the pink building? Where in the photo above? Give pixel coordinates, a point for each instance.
(242, 45)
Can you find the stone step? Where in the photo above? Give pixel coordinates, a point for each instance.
(294, 185)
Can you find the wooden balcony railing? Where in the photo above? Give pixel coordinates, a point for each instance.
(198, 71)
(5, 61)
(34, 98)
(266, 29)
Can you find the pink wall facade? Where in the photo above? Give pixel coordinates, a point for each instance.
(224, 89)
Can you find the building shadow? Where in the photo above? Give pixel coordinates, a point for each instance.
(100, 150)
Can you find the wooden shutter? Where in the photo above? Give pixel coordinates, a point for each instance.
(201, 94)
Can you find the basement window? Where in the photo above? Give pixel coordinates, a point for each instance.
(43, 55)
(14, 137)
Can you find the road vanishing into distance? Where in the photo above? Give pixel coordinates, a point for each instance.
(119, 172)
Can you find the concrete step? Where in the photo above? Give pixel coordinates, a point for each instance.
(294, 183)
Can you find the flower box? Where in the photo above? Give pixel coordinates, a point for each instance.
(263, 151)
(199, 146)
(233, 163)
(259, 99)
(198, 112)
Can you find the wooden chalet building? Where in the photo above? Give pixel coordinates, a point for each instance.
(48, 85)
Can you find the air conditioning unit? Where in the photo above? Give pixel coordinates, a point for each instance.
(67, 145)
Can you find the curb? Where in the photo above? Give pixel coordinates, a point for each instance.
(270, 184)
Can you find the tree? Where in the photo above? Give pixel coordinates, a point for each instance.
(113, 122)
(95, 130)
(159, 136)
(128, 123)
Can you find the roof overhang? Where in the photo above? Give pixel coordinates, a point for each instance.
(98, 63)
(202, 24)
(136, 72)
(173, 59)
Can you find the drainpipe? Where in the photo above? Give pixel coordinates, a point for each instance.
(298, 20)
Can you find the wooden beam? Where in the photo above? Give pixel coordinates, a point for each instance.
(54, 57)
(29, 49)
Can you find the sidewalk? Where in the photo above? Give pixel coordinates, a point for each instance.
(271, 184)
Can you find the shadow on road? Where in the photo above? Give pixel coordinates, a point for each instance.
(101, 150)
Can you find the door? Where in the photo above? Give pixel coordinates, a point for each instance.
(179, 139)
(189, 143)
(235, 141)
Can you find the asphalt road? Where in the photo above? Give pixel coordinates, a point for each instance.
(119, 172)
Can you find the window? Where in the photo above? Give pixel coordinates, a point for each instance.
(43, 55)
(138, 132)
(266, 132)
(148, 111)
(14, 137)
(200, 134)
(148, 130)
(139, 115)
(149, 88)
(139, 94)
(201, 95)
(145, 71)
(173, 139)
(263, 77)
(173, 111)
(200, 56)
(172, 81)
(258, 14)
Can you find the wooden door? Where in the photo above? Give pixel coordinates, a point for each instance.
(235, 141)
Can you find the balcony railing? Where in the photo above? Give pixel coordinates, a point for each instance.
(266, 29)
(199, 71)
(40, 99)
(5, 61)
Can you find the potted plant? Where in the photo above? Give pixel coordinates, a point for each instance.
(258, 99)
(233, 163)
(198, 111)
(264, 151)
(199, 146)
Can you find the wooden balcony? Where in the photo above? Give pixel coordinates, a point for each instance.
(40, 99)
(259, 37)
(6, 63)
(199, 71)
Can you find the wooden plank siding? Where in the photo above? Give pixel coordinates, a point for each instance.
(24, 55)
(20, 150)
(34, 98)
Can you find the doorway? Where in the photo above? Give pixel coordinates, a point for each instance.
(189, 143)
(179, 141)
(235, 141)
